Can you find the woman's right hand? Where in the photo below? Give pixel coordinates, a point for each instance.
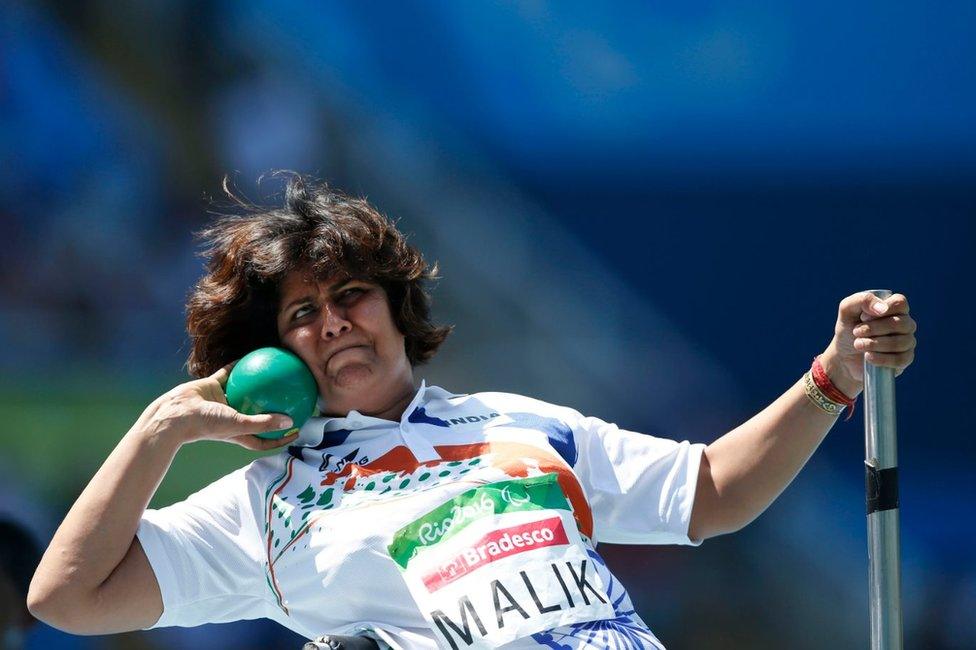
(198, 410)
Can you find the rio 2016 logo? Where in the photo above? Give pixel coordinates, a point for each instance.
(432, 531)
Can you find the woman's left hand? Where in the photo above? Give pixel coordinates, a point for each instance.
(880, 331)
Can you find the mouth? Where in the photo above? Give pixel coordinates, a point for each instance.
(340, 350)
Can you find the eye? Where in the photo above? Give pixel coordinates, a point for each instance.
(351, 294)
(302, 311)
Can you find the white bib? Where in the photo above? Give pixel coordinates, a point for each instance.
(500, 562)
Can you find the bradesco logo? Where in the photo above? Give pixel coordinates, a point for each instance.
(496, 545)
(448, 519)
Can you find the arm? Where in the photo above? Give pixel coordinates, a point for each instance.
(94, 577)
(742, 472)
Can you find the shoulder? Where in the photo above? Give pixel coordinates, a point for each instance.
(236, 485)
(519, 409)
(514, 405)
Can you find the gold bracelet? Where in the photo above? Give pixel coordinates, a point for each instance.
(818, 398)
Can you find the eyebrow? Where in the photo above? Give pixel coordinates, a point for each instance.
(332, 289)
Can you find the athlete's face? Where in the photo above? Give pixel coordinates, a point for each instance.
(344, 331)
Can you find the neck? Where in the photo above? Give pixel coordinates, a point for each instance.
(395, 410)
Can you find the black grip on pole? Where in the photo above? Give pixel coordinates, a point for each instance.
(881, 488)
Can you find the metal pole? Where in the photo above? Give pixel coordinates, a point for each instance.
(881, 484)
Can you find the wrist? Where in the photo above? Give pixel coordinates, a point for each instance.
(155, 429)
(839, 377)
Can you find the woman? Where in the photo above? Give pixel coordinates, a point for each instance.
(416, 517)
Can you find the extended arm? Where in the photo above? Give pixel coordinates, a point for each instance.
(746, 469)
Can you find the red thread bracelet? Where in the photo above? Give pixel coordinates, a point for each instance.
(826, 387)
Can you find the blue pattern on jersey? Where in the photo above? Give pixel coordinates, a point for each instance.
(622, 632)
(419, 416)
(329, 439)
(560, 435)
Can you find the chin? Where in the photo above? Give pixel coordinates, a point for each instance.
(353, 376)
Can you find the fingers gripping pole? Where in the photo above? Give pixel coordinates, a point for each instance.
(881, 484)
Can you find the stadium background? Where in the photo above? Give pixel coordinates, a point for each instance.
(648, 212)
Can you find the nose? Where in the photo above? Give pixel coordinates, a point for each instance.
(334, 322)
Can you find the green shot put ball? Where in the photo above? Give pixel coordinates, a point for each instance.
(273, 380)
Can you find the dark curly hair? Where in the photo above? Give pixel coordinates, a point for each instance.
(232, 310)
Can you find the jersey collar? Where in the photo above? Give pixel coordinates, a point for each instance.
(354, 420)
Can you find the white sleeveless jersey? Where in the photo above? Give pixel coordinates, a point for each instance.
(471, 523)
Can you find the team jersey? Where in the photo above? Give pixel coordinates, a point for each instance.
(472, 522)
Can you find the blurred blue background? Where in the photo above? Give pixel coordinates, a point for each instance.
(647, 212)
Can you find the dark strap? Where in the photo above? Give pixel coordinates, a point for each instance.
(881, 486)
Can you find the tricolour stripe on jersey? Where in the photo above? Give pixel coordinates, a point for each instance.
(273, 582)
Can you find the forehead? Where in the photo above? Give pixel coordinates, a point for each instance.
(297, 281)
(301, 282)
